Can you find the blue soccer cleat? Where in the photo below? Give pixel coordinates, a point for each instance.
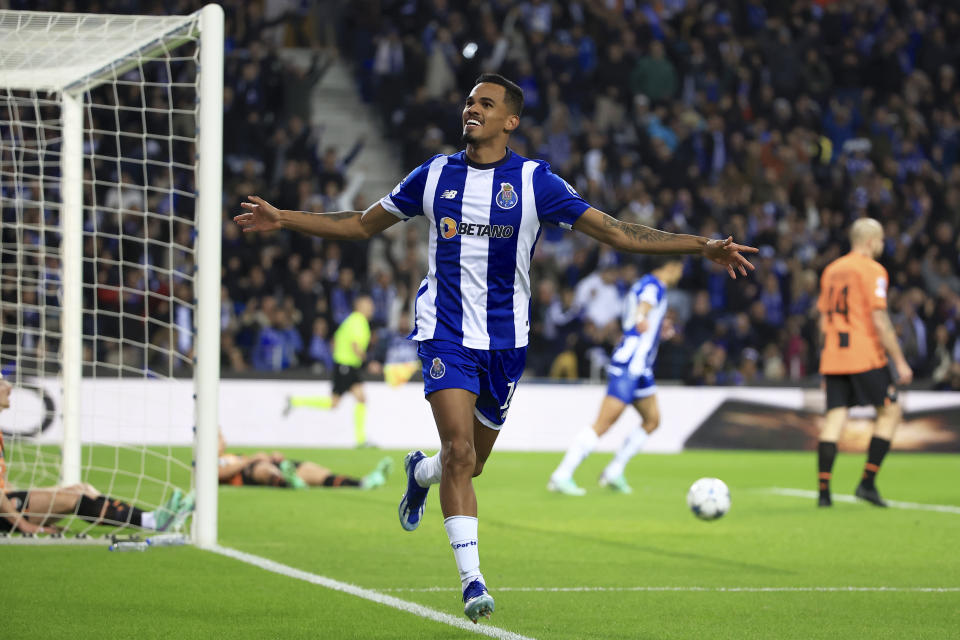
(411, 506)
(476, 601)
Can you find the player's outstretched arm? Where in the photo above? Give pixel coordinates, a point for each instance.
(637, 238)
(341, 225)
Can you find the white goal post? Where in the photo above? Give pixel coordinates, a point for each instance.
(110, 192)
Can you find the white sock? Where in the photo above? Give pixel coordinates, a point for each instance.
(148, 520)
(581, 447)
(630, 447)
(462, 531)
(428, 471)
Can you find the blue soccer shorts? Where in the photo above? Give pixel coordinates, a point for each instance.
(626, 387)
(492, 375)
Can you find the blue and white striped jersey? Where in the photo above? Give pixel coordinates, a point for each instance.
(484, 224)
(637, 351)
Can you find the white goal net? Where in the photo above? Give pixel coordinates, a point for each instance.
(110, 141)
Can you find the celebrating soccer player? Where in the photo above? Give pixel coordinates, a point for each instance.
(857, 336)
(485, 206)
(630, 382)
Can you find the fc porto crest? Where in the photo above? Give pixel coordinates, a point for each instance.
(437, 369)
(507, 198)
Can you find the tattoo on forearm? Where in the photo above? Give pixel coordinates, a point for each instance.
(638, 232)
(342, 215)
(325, 225)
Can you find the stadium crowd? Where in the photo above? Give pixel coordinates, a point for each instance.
(777, 122)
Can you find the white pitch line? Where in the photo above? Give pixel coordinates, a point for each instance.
(896, 504)
(708, 589)
(368, 594)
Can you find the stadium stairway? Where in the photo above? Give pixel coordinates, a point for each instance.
(344, 117)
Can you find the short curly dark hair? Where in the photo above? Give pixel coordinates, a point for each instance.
(514, 94)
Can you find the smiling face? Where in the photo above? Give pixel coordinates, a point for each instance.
(486, 115)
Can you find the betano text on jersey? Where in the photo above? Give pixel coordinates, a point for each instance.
(484, 224)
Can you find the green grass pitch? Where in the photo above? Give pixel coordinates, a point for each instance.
(529, 539)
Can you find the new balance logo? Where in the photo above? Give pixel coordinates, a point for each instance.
(449, 194)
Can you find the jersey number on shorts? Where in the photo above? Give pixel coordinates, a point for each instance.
(511, 387)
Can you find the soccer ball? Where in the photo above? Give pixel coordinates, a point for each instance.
(708, 498)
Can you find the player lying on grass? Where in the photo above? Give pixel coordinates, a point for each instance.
(485, 207)
(38, 510)
(630, 382)
(274, 470)
(856, 336)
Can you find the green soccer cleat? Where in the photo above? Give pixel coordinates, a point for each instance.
(378, 477)
(289, 471)
(187, 505)
(166, 514)
(567, 487)
(618, 484)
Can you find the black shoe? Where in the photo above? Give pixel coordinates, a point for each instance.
(824, 500)
(871, 495)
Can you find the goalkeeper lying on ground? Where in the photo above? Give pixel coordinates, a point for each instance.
(273, 470)
(37, 510)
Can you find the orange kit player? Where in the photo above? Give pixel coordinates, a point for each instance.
(857, 336)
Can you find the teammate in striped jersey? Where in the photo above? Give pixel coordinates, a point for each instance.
(485, 206)
(630, 382)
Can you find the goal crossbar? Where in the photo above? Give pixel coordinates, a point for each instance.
(80, 50)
